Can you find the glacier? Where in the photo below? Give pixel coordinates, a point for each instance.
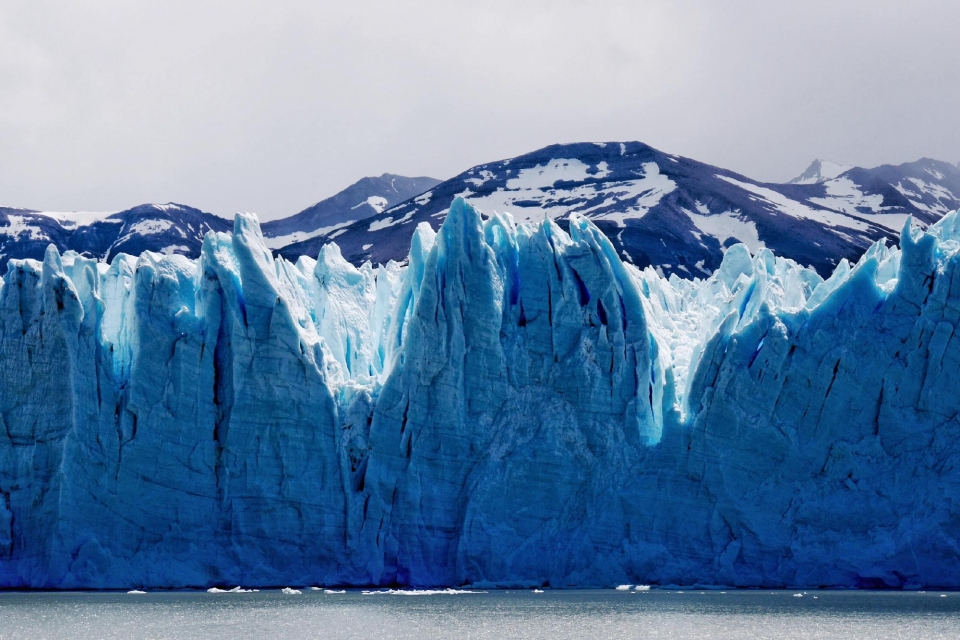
(511, 406)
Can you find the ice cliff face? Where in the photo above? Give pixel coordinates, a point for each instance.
(514, 405)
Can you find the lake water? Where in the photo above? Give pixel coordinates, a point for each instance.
(688, 614)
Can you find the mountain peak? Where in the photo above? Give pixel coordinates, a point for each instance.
(820, 171)
(366, 197)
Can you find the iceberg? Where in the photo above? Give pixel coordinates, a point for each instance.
(512, 405)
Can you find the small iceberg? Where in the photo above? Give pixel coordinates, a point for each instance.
(334, 592)
(136, 592)
(316, 588)
(798, 595)
(419, 592)
(234, 590)
(624, 587)
(291, 592)
(642, 587)
(538, 590)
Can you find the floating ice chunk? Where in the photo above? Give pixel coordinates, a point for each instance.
(287, 591)
(421, 592)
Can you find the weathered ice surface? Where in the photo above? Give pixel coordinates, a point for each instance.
(513, 405)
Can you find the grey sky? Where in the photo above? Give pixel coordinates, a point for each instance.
(271, 106)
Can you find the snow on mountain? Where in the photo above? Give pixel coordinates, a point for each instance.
(926, 189)
(365, 198)
(658, 209)
(162, 228)
(513, 406)
(174, 228)
(673, 213)
(820, 171)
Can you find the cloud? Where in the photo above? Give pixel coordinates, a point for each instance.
(269, 107)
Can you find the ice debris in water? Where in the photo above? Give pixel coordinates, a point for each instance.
(420, 592)
(288, 591)
(512, 406)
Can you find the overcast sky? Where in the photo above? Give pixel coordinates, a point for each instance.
(271, 106)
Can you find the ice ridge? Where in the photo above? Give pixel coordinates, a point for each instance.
(514, 405)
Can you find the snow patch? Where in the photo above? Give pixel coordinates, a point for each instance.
(485, 175)
(74, 219)
(149, 227)
(378, 203)
(726, 225)
(276, 242)
(18, 225)
(843, 194)
(388, 221)
(541, 176)
(633, 198)
(795, 209)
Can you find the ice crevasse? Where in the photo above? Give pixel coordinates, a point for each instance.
(512, 406)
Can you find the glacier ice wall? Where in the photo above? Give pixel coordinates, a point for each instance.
(512, 406)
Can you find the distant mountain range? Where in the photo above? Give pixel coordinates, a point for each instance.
(163, 228)
(176, 228)
(671, 212)
(658, 209)
(361, 200)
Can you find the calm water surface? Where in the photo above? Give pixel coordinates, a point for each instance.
(497, 614)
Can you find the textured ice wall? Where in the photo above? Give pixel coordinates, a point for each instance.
(514, 405)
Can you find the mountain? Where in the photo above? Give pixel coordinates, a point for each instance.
(661, 210)
(365, 198)
(926, 189)
(162, 228)
(516, 406)
(670, 212)
(820, 171)
(176, 228)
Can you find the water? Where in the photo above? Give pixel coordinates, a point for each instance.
(688, 614)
